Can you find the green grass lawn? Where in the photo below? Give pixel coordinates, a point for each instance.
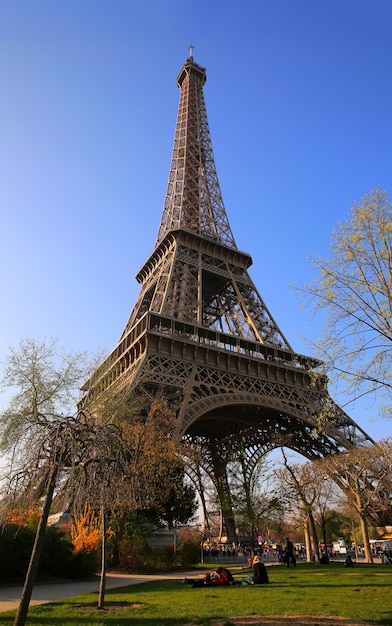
(363, 592)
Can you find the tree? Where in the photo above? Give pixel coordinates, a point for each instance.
(155, 463)
(152, 484)
(384, 448)
(120, 459)
(255, 501)
(99, 476)
(177, 504)
(44, 444)
(354, 289)
(304, 484)
(363, 474)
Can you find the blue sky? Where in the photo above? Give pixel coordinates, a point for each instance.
(299, 101)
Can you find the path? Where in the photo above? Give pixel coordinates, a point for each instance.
(44, 593)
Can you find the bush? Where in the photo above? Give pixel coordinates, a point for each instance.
(166, 557)
(83, 564)
(16, 544)
(57, 558)
(189, 554)
(57, 553)
(135, 554)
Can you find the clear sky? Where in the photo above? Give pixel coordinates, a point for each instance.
(299, 101)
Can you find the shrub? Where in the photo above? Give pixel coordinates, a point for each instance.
(86, 531)
(57, 553)
(135, 554)
(83, 564)
(57, 558)
(189, 554)
(166, 557)
(15, 548)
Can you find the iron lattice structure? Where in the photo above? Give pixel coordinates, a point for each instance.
(201, 333)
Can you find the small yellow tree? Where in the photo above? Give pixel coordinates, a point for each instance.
(86, 530)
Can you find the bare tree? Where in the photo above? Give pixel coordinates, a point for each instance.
(43, 444)
(384, 448)
(364, 476)
(305, 484)
(354, 288)
(98, 479)
(50, 466)
(255, 500)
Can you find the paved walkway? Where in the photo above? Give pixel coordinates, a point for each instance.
(44, 593)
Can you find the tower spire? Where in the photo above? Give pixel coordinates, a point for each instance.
(193, 197)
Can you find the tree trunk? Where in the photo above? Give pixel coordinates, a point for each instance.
(365, 536)
(307, 539)
(102, 582)
(25, 598)
(324, 526)
(314, 537)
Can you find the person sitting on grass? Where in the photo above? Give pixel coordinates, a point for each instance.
(348, 562)
(221, 577)
(260, 574)
(386, 558)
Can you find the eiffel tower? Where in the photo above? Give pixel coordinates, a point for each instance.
(201, 334)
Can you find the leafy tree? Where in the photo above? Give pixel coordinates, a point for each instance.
(155, 467)
(354, 288)
(178, 504)
(335, 521)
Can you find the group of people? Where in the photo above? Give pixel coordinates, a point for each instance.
(222, 577)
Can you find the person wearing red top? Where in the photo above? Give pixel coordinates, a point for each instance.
(220, 577)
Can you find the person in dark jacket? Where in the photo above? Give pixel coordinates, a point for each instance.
(289, 555)
(260, 574)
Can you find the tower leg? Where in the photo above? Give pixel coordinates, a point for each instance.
(223, 489)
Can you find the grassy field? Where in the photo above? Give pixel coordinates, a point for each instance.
(364, 592)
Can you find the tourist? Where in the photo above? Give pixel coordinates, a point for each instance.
(289, 556)
(260, 574)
